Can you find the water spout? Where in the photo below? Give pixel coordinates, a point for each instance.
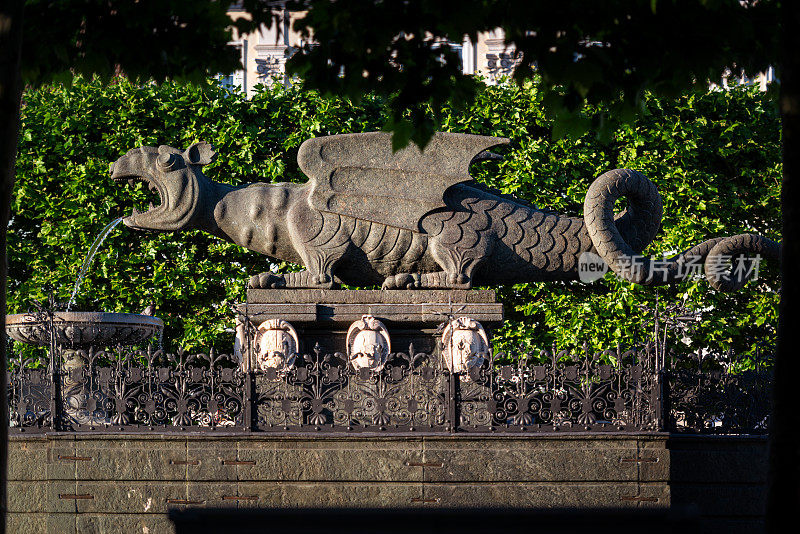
(89, 257)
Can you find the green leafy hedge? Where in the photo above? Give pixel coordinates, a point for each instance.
(715, 158)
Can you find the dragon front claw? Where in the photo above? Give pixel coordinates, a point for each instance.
(267, 281)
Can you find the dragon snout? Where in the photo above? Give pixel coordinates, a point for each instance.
(121, 170)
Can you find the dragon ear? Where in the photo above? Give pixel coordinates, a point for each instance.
(200, 154)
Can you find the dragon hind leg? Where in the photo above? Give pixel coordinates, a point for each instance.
(458, 267)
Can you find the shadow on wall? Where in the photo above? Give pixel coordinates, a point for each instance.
(723, 477)
(564, 521)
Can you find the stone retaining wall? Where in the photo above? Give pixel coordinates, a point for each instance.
(65, 483)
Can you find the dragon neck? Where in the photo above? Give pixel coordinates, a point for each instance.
(211, 193)
(252, 215)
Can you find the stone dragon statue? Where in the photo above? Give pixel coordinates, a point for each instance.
(416, 219)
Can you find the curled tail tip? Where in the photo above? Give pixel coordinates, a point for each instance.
(725, 275)
(618, 240)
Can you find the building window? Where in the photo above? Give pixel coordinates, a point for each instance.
(236, 81)
(454, 47)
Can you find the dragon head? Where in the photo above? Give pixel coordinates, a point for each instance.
(177, 178)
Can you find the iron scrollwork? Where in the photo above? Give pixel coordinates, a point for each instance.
(325, 392)
(562, 391)
(646, 388)
(124, 389)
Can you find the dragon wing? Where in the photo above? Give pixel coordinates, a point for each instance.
(359, 175)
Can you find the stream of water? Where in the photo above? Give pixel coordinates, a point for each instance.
(89, 257)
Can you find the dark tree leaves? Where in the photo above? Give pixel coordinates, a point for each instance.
(178, 39)
(587, 52)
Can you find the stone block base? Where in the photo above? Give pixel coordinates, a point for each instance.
(127, 483)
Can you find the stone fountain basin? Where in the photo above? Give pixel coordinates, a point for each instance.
(84, 329)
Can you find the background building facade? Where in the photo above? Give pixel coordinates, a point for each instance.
(264, 54)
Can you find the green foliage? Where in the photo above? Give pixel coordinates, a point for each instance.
(715, 158)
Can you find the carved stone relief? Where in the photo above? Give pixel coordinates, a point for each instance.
(273, 49)
(276, 345)
(464, 343)
(269, 65)
(368, 343)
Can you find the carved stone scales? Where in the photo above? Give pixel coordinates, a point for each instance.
(465, 344)
(368, 343)
(414, 219)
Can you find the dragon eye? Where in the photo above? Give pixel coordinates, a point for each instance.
(168, 162)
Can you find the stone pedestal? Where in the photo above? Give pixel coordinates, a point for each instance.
(413, 316)
(72, 482)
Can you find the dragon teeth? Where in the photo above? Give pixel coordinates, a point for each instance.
(131, 182)
(151, 206)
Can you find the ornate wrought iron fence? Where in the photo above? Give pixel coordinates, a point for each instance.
(601, 391)
(708, 394)
(614, 391)
(323, 392)
(647, 388)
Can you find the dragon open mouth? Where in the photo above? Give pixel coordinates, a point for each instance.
(161, 172)
(150, 187)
